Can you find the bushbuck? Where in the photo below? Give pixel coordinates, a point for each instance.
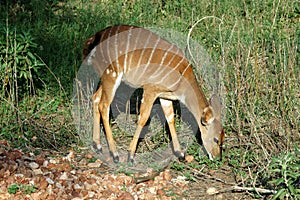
(144, 60)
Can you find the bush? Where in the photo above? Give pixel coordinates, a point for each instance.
(18, 63)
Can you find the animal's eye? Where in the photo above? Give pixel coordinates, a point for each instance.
(216, 140)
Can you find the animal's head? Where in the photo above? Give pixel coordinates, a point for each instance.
(212, 132)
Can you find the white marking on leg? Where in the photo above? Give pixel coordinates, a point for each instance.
(170, 117)
(99, 146)
(182, 98)
(114, 74)
(97, 100)
(117, 83)
(165, 102)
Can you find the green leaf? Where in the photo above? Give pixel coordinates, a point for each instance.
(291, 189)
(279, 193)
(12, 189)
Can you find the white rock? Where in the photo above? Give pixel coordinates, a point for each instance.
(33, 165)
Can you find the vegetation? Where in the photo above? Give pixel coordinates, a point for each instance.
(26, 189)
(257, 47)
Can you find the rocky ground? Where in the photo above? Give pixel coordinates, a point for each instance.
(48, 175)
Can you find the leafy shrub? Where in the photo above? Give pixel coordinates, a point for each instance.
(285, 172)
(17, 62)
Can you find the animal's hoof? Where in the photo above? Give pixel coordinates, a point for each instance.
(116, 159)
(180, 155)
(130, 158)
(97, 147)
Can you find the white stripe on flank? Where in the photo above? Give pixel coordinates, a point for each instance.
(149, 59)
(126, 50)
(158, 74)
(108, 48)
(172, 71)
(135, 46)
(155, 74)
(91, 56)
(174, 84)
(189, 65)
(146, 44)
(116, 36)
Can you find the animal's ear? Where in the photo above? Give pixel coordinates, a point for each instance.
(207, 116)
(215, 103)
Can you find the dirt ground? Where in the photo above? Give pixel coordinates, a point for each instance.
(42, 174)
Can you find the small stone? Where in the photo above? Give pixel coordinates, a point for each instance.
(43, 184)
(40, 159)
(69, 157)
(211, 190)
(64, 176)
(167, 175)
(95, 164)
(189, 158)
(89, 156)
(33, 165)
(152, 190)
(2, 151)
(160, 192)
(124, 180)
(37, 171)
(125, 196)
(50, 181)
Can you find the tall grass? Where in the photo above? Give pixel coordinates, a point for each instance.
(257, 48)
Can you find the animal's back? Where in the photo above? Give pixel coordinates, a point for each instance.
(142, 56)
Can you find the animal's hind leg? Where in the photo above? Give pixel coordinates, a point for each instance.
(167, 107)
(96, 130)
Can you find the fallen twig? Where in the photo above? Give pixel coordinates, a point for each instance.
(253, 189)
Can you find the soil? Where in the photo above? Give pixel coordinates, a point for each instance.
(43, 174)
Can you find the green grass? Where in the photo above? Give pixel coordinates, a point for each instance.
(256, 47)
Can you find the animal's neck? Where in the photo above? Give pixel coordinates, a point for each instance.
(193, 97)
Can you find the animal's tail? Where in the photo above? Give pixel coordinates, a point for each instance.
(90, 43)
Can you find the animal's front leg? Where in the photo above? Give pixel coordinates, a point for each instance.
(148, 99)
(167, 107)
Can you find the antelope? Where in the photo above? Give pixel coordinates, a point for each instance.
(144, 60)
